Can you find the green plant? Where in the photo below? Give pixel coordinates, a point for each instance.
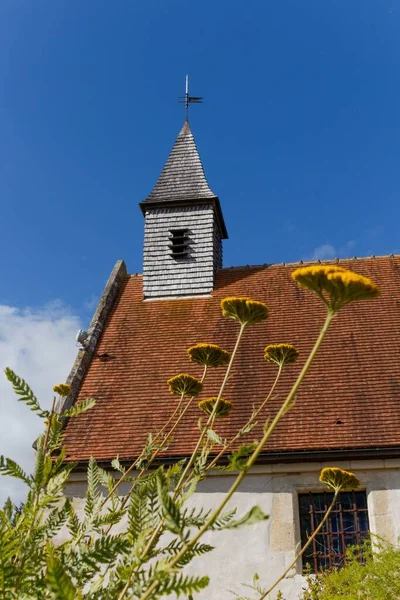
(95, 560)
(377, 577)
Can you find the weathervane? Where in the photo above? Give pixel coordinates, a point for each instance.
(189, 99)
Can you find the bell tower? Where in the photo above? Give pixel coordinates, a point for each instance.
(184, 226)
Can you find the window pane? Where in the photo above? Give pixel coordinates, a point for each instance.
(361, 499)
(346, 500)
(347, 525)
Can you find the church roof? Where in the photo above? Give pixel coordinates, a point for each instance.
(182, 177)
(348, 403)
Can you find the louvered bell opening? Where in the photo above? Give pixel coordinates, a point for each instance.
(179, 244)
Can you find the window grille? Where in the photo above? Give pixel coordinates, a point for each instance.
(179, 245)
(347, 525)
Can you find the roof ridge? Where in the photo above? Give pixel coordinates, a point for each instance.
(310, 262)
(296, 263)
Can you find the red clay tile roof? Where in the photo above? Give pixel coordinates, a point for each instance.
(350, 398)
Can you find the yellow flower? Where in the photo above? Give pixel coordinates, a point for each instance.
(334, 285)
(350, 286)
(339, 479)
(184, 385)
(281, 354)
(223, 408)
(63, 389)
(244, 310)
(208, 354)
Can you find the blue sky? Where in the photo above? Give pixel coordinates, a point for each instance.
(299, 131)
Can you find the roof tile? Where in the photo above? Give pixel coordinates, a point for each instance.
(349, 399)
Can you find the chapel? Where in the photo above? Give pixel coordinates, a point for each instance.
(347, 412)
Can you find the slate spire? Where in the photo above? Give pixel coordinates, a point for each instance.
(183, 180)
(182, 177)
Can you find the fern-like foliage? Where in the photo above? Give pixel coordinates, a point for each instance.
(254, 515)
(59, 583)
(181, 585)
(170, 510)
(238, 459)
(25, 394)
(11, 468)
(105, 550)
(78, 409)
(51, 550)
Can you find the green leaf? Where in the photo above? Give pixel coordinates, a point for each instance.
(224, 519)
(139, 516)
(170, 510)
(214, 438)
(106, 550)
(11, 468)
(59, 582)
(56, 520)
(255, 515)
(22, 389)
(57, 482)
(117, 465)
(93, 476)
(195, 517)
(78, 409)
(182, 584)
(191, 487)
(247, 428)
(196, 550)
(43, 466)
(237, 461)
(74, 524)
(8, 509)
(106, 479)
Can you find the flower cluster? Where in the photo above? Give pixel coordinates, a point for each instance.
(334, 285)
(339, 479)
(63, 389)
(223, 408)
(208, 354)
(244, 310)
(184, 385)
(281, 354)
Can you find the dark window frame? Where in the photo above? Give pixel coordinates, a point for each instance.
(347, 525)
(179, 243)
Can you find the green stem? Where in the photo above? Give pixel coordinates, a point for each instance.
(157, 530)
(304, 548)
(50, 420)
(249, 422)
(211, 417)
(156, 452)
(269, 395)
(177, 558)
(193, 456)
(135, 462)
(36, 496)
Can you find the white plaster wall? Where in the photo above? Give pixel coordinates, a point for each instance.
(269, 547)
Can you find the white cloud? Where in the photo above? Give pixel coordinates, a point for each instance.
(39, 345)
(91, 304)
(324, 252)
